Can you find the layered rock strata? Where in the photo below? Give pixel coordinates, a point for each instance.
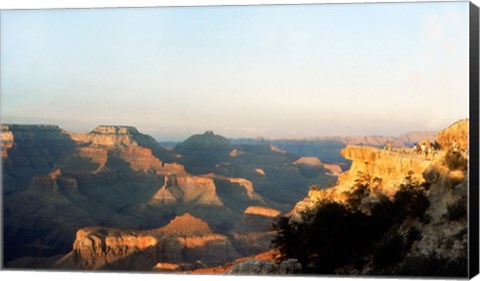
(179, 244)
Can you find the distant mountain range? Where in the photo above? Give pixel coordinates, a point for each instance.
(328, 148)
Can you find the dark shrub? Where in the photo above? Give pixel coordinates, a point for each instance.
(457, 210)
(328, 237)
(331, 235)
(455, 161)
(433, 266)
(389, 252)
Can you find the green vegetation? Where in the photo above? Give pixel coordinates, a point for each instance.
(333, 236)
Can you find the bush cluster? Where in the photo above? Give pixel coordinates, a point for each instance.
(454, 160)
(457, 210)
(332, 235)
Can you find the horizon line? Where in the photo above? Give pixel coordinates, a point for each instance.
(299, 137)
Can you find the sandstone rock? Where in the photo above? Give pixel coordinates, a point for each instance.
(333, 169)
(114, 176)
(262, 211)
(311, 161)
(124, 142)
(168, 267)
(31, 150)
(6, 138)
(246, 184)
(385, 170)
(260, 171)
(276, 149)
(100, 248)
(186, 225)
(443, 235)
(185, 239)
(187, 190)
(455, 136)
(389, 166)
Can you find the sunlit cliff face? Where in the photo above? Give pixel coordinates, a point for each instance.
(386, 170)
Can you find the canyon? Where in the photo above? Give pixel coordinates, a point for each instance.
(115, 199)
(109, 198)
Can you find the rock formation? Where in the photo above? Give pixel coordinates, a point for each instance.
(315, 165)
(262, 211)
(116, 179)
(378, 175)
(384, 170)
(126, 203)
(6, 137)
(455, 136)
(179, 244)
(328, 148)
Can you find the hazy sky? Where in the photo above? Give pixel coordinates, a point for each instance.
(274, 71)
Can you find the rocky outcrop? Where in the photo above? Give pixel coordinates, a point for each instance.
(59, 182)
(314, 163)
(253, 231)
(245, 184)
(6, 138)
(186, 190)
(455, 136)
(122, 142)
(384, 171)
(262, 211)
(438, 229)
(186, 226)
(100, 248)
(260, 171)
(310, 161)
(175, 267)
(107, 136)
(389, 167)
(31, 150)
(328, 148)
(184, 240)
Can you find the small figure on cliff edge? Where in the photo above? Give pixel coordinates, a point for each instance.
(424, 149)
(388, 146)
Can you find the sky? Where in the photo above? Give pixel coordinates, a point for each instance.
(272, 71)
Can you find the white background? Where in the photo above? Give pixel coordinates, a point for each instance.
(69, 276)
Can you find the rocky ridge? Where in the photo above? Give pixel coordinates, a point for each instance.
(231, 201)
(6, 137)
(328, 148)
(385, 171)
(313, 163)
(377, 175)
(115, 182)
(181, 243)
